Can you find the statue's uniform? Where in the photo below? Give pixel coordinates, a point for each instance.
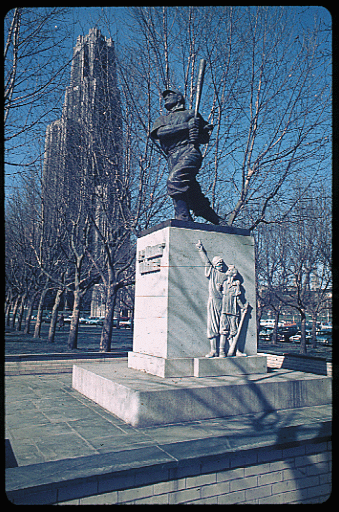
(214, 304)
(184, 158)
(230, 308)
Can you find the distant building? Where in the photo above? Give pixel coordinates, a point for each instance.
(83, 149)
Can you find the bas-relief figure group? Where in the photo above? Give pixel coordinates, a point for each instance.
(225, 310)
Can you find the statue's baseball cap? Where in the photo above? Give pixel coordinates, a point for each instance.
(167, 91)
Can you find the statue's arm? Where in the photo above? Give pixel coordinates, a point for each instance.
(203, 253)
(165, 131)
(199, 129)
(241, 305)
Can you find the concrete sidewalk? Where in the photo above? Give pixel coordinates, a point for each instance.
(49, 422)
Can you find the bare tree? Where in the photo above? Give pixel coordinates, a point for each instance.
(277, 103)
(293, 257)
(22, 274)
(305, 245)
(85, 275)
(272, 270)
(38, 322)
(127, 194)
(34, 65)
(311, 262)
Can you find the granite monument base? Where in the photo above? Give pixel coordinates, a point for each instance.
(141, 399)
(173, 300)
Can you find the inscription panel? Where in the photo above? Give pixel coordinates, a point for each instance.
(150, 258)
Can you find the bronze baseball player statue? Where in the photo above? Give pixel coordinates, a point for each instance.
(180, 134)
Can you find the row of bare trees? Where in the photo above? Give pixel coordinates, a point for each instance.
(294, 262)
(267, 92)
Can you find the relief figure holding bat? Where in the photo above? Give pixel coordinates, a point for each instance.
(225, 310)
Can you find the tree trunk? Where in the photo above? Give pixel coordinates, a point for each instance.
(73, 331)
(21, 312)
(275, 329)
(15, 310)
(259, 315)
(314, 329)
(303, 348)
(38, 322)
(8, 310)
(54, 317)
(106, 333)
(29, 312)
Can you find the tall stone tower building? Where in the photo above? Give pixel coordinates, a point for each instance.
(83, 149)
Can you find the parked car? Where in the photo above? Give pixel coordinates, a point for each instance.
(265, 334)
(46, 318)
(326, 327)
(325, 340)
(83, 319)
(95, 320)
(287, 331)
(269, 323)
(296, 338)
(127, 324)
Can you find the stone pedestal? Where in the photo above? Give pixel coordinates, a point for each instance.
(171, 295)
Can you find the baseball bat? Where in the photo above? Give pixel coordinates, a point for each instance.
(200, 82)
(235, 339)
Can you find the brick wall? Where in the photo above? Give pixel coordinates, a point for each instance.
(297, 474)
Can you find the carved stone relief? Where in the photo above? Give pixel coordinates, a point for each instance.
(226, 308)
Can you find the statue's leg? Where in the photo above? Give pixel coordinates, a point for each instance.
(224, 334)
(200, 204)
(223, 339)
(213, 352)
(233, 332)
(178, 183)
(181, 208)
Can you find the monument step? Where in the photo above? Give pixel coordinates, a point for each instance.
(197, 366)
(141, 399)
(215, 366)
